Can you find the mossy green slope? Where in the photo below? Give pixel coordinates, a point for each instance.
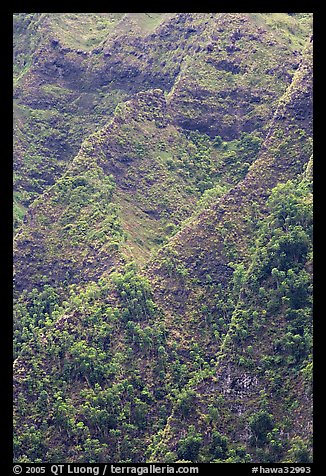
(67, 85)
(98, 359)
(135, 170)
(255, 389)
(203, 355)
(233, 81)
(223, 233)
(224, 286)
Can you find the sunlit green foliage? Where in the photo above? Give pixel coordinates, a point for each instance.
(163, 254)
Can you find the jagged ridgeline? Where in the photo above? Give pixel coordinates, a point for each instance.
(163, 237)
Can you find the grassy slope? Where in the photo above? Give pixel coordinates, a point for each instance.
(222, 233)
(79, 79)
(191, 291)
(47, 101)
(145, 173)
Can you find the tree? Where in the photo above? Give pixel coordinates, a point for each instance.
(219, 446)
(299, 452)
(185, 402)
(261, 423)
(188, 448)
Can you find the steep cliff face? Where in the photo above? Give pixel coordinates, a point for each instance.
(152, 162)
(229, 276)
(232, 83)
(163, 250)
(224, 233)
(71, 71)
(138, 162)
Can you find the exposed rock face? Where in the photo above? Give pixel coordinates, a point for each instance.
(162, 255)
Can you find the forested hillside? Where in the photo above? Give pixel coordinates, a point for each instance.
(163, 237)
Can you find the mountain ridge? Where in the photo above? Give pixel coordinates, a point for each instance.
(163, 269)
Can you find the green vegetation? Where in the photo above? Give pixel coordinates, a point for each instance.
(83, 30)
(163, 237)
(292, 26)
